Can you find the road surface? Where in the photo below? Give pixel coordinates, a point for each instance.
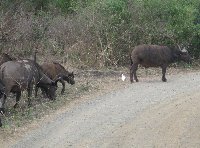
(149, 113)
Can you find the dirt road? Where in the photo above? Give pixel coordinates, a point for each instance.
(145, 114)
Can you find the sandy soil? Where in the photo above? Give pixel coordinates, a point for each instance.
(171, 124)
(145, 114)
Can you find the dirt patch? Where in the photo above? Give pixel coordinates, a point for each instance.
(170, 124)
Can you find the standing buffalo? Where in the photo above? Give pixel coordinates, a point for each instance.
(55, 70)
(22, 75)
(155, 56)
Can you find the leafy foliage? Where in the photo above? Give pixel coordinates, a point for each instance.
(98, 33)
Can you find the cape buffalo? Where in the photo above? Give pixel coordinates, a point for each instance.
(22, 75)
(54, 70)
(156, 56)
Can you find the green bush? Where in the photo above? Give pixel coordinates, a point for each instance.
(100, 33)
(66, 5)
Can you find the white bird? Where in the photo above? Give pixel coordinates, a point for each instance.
(123, 77)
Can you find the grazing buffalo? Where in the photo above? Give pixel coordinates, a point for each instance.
(55, 70)
(23, 75)
(155, 56)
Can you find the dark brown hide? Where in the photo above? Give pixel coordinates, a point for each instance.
(155, 56)
(55, 70)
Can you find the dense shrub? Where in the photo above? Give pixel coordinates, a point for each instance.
(97, 33)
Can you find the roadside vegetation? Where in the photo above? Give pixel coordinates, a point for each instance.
(91, 33)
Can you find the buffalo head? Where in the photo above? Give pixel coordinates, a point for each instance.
(184, 56)
(69, 78)
(50, 90)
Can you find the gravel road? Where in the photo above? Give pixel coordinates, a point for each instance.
(145, 114)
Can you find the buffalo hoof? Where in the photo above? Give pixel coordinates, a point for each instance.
(16, 105)
(137, 80)
(62, 92)
(52, 98)
(164, 80)
(131, 80)
(29, 104)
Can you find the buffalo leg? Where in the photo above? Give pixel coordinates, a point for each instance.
(131, 73)
(30, 88)
(163, 74)
(36, 91)
(2, 109)
(0, 123)
(63, 86)
(133, 70)
(44, 93)
(135, 67)
(18, 95)
(4, 99)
